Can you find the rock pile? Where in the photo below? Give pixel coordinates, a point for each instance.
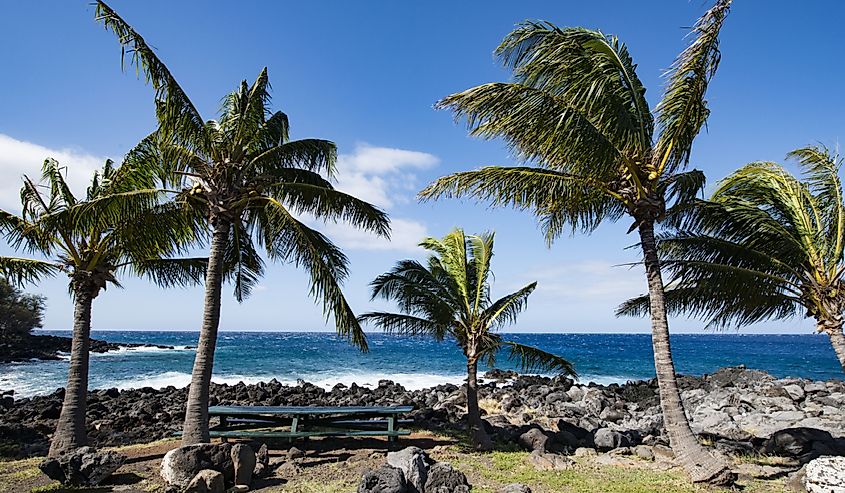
(411, 470)
(740, 410)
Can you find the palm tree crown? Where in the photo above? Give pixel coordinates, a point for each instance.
(119, 227)
(765, 245)
(449, 297)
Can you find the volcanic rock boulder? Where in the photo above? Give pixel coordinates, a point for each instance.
(84, 466)
(207, 481)
(385, 479)
(443, 478)
(413, 462)
(243, 460)
(825, 475)
(180, 465)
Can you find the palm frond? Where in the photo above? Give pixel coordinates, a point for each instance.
(21, 271)
(505, 310)
(287, 239)
(561, 200)
(532, 359)
(311, 154)
(682, 111)
(166, 273)
(178, 118)
(398, 323)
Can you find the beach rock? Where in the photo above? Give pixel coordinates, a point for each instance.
(180, 465)
(385, 479)
(295, 453)
(84, 466)
(414, 462)
(798, 442)
(443, 478)
(607, 439)
(515, 488)
(534, 439)
(825, 475)
(243, 460)
(544, 461)
(207, 481)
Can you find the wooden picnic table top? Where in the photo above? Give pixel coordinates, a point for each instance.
(306, 410)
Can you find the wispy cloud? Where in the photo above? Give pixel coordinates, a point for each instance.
(18, 158)
(591, 280)
(384, 177)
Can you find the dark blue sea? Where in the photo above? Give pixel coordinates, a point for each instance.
(324, 359)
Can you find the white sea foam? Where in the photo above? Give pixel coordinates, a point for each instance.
(140, 350)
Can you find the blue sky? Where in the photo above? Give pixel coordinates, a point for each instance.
(366, 76)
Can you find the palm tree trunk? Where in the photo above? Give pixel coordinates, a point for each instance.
(478, 436)
(195, 428)
(70, 430)
(833, 328)
(695, 459)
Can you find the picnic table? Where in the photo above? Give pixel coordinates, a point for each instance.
(294, 422)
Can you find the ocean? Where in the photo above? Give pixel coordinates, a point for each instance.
(415, 362)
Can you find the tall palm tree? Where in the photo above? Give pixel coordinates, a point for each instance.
(117, 228)
(250, 182)
(450, 297)
(766, 245)
(577, 111)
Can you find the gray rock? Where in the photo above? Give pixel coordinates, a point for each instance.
(262, 462)
(662, 452)
(644, 452)
(243, 460)
(443, 478)
(534, 439)
(515, 488)
(295, 453)
(543, 461)
(796, 393)
(180, 465)
(84, 466)
(385, 479)
(825, 475)
(585, 452)
(207, 481)
(413, 462)
(607, 439)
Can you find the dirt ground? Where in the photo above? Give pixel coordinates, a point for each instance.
(336, 466)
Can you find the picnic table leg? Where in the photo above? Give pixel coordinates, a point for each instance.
(223, 424)
(294, 424)
(391, 427)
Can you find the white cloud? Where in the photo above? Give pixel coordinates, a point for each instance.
(18, 158)
(404, 236)
(382, 176)
(594, 281)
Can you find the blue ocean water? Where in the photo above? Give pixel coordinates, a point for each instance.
(324, 359)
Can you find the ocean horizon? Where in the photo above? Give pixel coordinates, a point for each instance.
(324, 359)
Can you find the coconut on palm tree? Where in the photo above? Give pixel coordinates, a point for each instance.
(576, 113)
(116, 228)
(766, 245)
(252, 185)
(449, 297)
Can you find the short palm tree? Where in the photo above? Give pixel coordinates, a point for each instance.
(249, 182)
(766, 245)
(450, 298)
(577, 110)
(117, 228)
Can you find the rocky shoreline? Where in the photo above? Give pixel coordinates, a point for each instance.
(736, 409)
(47, 347)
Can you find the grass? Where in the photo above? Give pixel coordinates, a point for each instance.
(501, 468)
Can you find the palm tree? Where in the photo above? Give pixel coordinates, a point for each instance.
(765, 246)
(577, 111)
(450, 297)
(118, 228)
(249, 182)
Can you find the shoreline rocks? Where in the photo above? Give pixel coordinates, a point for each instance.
(48, 347)
(738, 410)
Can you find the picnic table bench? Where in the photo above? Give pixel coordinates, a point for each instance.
(294, 422)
